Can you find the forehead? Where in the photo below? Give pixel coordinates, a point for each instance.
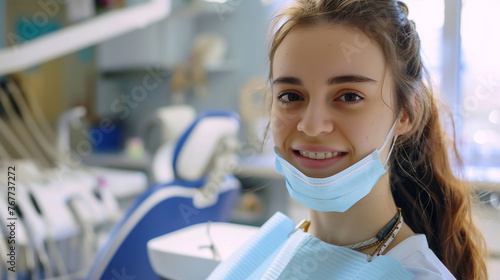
(328, 50)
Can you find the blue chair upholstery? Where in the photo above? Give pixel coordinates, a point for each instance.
(187, 200)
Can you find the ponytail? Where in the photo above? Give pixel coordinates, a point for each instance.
(435, 202)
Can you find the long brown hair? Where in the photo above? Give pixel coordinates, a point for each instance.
(433, 200)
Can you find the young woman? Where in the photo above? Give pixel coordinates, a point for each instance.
(358, 138)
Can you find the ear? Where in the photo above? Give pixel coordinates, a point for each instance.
(404, 123)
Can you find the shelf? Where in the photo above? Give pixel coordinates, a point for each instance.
(202, 8)
(82, 35)
(118, 160)
(125, 70)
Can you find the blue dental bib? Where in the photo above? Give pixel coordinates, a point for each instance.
(271, 254)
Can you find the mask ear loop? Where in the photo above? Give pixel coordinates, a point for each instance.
(390, 151)
(393, 142)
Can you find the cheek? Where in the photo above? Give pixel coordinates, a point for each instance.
(375, 135)
(278, 126)
(281, 124)
(362, 136)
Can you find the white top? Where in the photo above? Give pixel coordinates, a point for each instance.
(414, 253)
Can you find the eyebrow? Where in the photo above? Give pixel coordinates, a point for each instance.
(331, 81)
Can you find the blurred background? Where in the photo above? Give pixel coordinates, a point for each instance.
(106, 95)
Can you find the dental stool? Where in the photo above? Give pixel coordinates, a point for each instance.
(203, 189)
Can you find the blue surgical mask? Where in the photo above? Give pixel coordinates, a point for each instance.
(339, 192)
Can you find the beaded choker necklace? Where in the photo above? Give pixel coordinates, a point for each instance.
(382, 240)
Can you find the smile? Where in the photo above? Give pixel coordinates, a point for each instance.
(314, 155)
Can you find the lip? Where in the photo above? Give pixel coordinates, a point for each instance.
(317, 163)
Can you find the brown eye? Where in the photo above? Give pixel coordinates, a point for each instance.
(350, 97)
(287, 97)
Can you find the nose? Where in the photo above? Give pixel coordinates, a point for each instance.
(315, 121)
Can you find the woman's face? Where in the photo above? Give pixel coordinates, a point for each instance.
(332, 99)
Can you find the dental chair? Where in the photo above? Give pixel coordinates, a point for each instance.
(203, 189)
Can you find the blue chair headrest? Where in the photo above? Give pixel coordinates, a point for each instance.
(197, 147)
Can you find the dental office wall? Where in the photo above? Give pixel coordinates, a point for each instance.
(242, 26)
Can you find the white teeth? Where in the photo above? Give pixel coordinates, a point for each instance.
(319, 155)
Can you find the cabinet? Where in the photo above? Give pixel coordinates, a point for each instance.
(164, 44)
(22, 56)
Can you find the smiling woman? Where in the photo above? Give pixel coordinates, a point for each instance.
(326, 103)
(358, 139)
